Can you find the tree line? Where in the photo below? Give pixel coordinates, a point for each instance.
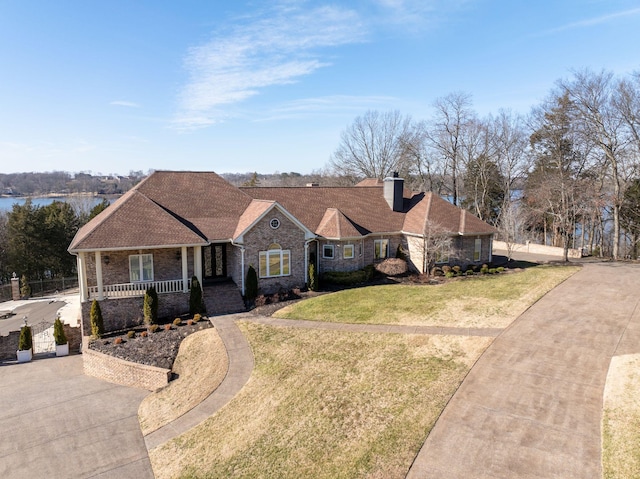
(566, 174)
(34, 239)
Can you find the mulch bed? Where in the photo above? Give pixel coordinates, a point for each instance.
(157, 349)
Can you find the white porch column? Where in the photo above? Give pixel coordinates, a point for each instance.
(81, 261)
(242, 270)
(306, 262)
(99, 275)
(197, 263)
(185, 269)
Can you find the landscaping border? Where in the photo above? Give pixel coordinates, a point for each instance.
(125, 373)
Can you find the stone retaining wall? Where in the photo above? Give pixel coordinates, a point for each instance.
(125, 373)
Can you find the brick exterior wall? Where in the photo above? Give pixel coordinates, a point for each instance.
(124, 313)
(166, 265)
(234, 264)
(9, 342)
(338, 262)
(9, 345)
(290, 237)
(125, 373)
(462, 251)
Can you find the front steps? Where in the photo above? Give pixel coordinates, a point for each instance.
(222, 298)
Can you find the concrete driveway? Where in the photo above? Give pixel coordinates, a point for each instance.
(531, 407)
(55, 422)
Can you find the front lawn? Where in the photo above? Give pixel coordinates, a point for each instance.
(325, 404)
(492, 301)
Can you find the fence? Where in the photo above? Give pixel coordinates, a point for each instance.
(41, 287)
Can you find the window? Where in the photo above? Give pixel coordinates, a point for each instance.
(380, 248)
(348, 251)
(327, 251)
(140, 267)
(442, 255)
(477, 251)
(275, 262)
(274, 223)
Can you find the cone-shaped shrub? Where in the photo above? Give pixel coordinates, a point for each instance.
(25, 342)
(196, 303)
(25, 289)
(251, 287)
(150, 306)
(97, 324)
(313, 278)
(58, 333)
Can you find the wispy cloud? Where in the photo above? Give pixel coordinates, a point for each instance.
(128, 104)
(589, 22)
(328, 105)
(417, 14)
(275, 48)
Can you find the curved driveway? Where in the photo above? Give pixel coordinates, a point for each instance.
(531, 406)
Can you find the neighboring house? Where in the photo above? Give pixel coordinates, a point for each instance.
(176, 225)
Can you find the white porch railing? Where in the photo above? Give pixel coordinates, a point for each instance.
(128, 290)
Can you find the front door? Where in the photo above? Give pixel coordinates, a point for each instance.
(214, 262)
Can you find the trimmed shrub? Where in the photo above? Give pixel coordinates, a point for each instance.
(97, 324)
(58, 332)
(117, 341)
(167, 327)
(492, 271)
(370, 271)
(345, 278)
(144, 334)
(25, 289)
(400, 254)
(150, 306)
(313, 278)
(196, 303)
(457, 270)
(26, 340)
(189, 322)
(392, 267)
(437, 271)
(196, 317)
(251, 286)
(484, 269)
(449, 274)
(177, 322)
(153, 328)
(131, 334)
(446, 269)
(500, 269)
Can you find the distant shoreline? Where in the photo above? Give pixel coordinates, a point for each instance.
(61, 195)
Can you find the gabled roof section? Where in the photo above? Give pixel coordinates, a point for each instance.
(428, 210)
(336, 225)
(370, 182)
(364, 206)
(206, 200)
(134, 221)
(257, 210)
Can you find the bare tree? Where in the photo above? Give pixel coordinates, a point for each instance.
(436, 245)
(453, 117)
(600, 123)
(511, 226)
(377, 144)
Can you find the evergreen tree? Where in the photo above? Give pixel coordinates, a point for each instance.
(150, 306)
(97, 324)
(251, 290)
(196, 302)
(26, 340)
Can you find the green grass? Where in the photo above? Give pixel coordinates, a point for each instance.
(480, 301)
(325, 404)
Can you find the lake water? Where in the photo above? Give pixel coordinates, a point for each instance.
(6, 203)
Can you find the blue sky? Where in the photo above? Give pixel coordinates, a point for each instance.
(113, 86)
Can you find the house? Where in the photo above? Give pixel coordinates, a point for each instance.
(176, 225)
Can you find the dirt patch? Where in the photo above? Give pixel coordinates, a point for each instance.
(157, 349)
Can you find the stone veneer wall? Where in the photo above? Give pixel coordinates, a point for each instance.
(125, 373)
(290, 237)
(124, 313)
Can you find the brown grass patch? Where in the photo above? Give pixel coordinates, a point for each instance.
(201, 366)
(621, 419)
(325, 404)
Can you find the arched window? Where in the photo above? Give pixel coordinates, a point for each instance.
(275, 262)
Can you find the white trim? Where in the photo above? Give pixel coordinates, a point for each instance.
(185, 269)
(100, 284)
(353, 251)
(81, 261)
(333, 251)
(197, 263)
(134, 248)
(266, 254)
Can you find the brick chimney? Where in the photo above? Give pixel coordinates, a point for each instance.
(393, 188)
